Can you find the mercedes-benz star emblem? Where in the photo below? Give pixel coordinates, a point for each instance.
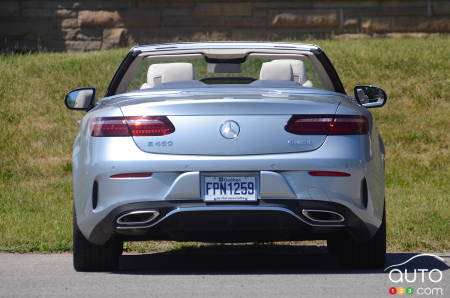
(229, 129)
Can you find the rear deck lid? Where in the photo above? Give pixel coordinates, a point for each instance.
(229, 126)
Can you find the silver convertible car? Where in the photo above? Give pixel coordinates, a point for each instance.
(228, 142)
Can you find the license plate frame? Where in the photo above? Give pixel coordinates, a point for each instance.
(210, 195)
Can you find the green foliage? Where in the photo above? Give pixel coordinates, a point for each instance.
(37, 132)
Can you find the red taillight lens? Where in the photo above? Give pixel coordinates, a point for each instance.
(131, 126)
(327, 125)
(327, 173)
(132, 175)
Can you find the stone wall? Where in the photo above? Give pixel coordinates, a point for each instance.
(94, 25)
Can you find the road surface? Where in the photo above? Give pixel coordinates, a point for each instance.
(237, 271)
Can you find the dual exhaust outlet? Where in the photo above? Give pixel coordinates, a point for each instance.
(137, 218)
(323, 216)
(143, 217)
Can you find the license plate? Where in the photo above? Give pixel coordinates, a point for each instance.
(229, 188)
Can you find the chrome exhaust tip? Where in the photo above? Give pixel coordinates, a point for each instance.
(137, 217)
(323, 216)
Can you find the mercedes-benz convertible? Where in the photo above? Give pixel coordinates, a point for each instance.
(228, 142)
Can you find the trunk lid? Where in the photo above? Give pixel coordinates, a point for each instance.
(229, 126)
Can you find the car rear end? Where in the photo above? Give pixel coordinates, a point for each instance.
(228, 170)
(228, 158)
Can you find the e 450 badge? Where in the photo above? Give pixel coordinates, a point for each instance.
(160, 144)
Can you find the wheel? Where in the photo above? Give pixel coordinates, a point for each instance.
(352, 254)
(91, 257)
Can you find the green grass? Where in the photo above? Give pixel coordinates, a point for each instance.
(36, 135)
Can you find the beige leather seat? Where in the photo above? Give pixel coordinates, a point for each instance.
(168, 72)
(297, 69)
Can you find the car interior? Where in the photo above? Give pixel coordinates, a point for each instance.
(275, 70)
(222, 68)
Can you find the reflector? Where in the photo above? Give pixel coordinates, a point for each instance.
(132, 175)
(328, 173)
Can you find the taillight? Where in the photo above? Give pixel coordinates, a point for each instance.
(131, 126)
(327, 125)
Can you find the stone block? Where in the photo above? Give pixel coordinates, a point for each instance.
(125, 18)
(299, 33)
(65, 13)
(152, 35)
(306, 19)
(99, 18)
(349, 23)
(274, 5)
(69, 23)
(344, 3)
(81, 46)
(106, 4)
(384, 12)
(404, 35)
(350, 36)
(89, 34)
(210, 35)
(223, 9)
(165, 4)
(115, 37)
(440, 8)
(422, 25)
(376, 24)
(404, 3)
(249, 34)
(70, 33)
(49, 4)
(139, 18)
(176, 12)
(259, 12)
(231, 22)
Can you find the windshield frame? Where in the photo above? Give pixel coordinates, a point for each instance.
(322, 64)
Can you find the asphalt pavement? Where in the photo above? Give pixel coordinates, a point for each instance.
(231, 271)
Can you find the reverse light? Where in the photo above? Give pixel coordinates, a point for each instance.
(131, 126)
(327, 125)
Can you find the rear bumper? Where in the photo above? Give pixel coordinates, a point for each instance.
(266, 220)
(176, 184)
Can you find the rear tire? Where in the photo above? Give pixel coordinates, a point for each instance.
(91, 257)
(353, 254)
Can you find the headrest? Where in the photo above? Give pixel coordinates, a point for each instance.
(276, 71)
(169, 72)
(298, 69)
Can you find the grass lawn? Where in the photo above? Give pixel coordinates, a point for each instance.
(36, 135)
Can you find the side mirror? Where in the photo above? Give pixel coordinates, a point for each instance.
(80, 99)
(370, 96)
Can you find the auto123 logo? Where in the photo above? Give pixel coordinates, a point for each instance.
(417, 281)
